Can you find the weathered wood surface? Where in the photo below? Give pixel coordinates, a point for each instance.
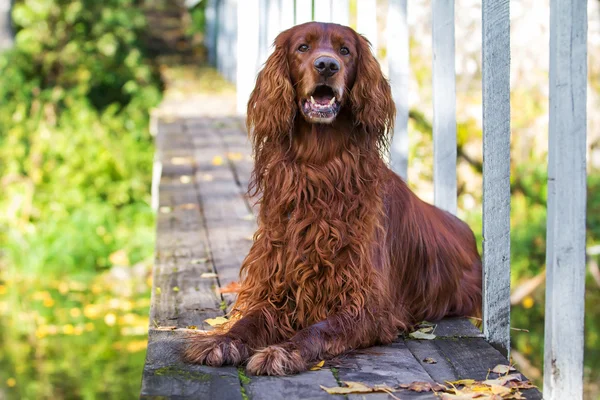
(496, 172)
(204, 225)
(565, 251)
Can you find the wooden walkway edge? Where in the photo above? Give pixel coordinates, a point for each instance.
(204, 230)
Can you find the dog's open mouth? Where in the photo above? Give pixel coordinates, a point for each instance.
(321, 106)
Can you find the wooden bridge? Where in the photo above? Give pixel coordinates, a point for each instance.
(204, 230)
(205, 223)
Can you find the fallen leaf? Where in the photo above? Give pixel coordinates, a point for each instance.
(193, 327)
(427, 329)
(176, 288)
(232, 287)
(318, 365)
(208, 275)
(423, 386)
(217, 321)
(502, 369)
(166, 328)
(421, 336)
(199, 260)
(521, 385)
(217, 160)
(356, 387)
(429, 360)
(465, 382)
(502, 380)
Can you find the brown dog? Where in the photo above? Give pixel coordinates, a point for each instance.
(345, 255)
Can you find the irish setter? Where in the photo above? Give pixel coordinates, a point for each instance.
(345, 255)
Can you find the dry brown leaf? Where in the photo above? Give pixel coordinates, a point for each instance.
(423, 386)
(217, 321)
(318, 366)
(421, 335)
(232, 287)
(502, 380)
(356, 387)
(502, 369)
(465, 382)
(429, 360)
(521, 385)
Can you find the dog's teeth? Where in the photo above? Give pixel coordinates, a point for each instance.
(332, 100)
(312, 100)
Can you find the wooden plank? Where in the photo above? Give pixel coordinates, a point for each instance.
(165, 374)
(472, 358)
(565, 250)
(426, 352)
(444, 106)
(399, 74)
(247, 48)
(340, 12)
(496, 173)
(456, 327)
(303, 11)
(306, 385)
(390, 365)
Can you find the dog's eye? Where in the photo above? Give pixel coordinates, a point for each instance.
(344, 51)
(303, 48)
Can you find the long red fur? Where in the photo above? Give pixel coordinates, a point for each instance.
(345, 255)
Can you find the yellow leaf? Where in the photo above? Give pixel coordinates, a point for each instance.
(176, 288)
(216, 321)
(318, 365)
(421, 335)
(465, 382)
(502, 369)
(217, 160)
(351, 387)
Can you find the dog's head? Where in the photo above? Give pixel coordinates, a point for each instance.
(318, 70)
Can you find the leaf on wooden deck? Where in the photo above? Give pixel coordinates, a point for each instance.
(423, 387)
(166, 328)
(503, 379)
(217, 321)
(318, 366)
(357, 387)
(505, 387)
(502, 369)
(231, 287)
(208, 275)
(217, 160)
(429, 360)
(422, 335)
(199, 260)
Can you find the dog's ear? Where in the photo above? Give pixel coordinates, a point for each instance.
(372, 103)
(272, 104)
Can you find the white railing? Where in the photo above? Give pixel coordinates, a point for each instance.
(240, 32)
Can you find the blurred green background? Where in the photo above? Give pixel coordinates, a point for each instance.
(76, 225)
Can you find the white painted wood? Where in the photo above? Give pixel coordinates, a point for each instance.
(323, 11)
(230, 32)
(263, 33)
(399, 73)
(444, 105)
(273, 21)
(287, 14)
(565, 250)
(340, 12)
(303, 11)
(211, 31)
(366, 21)
(248, 18)
(6, 31)
(496, 173)
(221, 37)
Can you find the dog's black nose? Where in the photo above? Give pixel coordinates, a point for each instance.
(327, 66)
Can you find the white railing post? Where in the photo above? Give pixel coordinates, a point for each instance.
(230, 32)
(444, 105)
(398, 59)
(323, 11)
(287, 14)
(221, 41)
(340, 12)
(303, 11)
(496, 173)
(565, 248)
(366, 21)
(248, 17)
(210, 40)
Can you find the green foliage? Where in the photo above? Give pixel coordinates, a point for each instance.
(75, 152)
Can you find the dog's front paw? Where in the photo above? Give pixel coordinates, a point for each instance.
(276, 360)
(216, 350)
